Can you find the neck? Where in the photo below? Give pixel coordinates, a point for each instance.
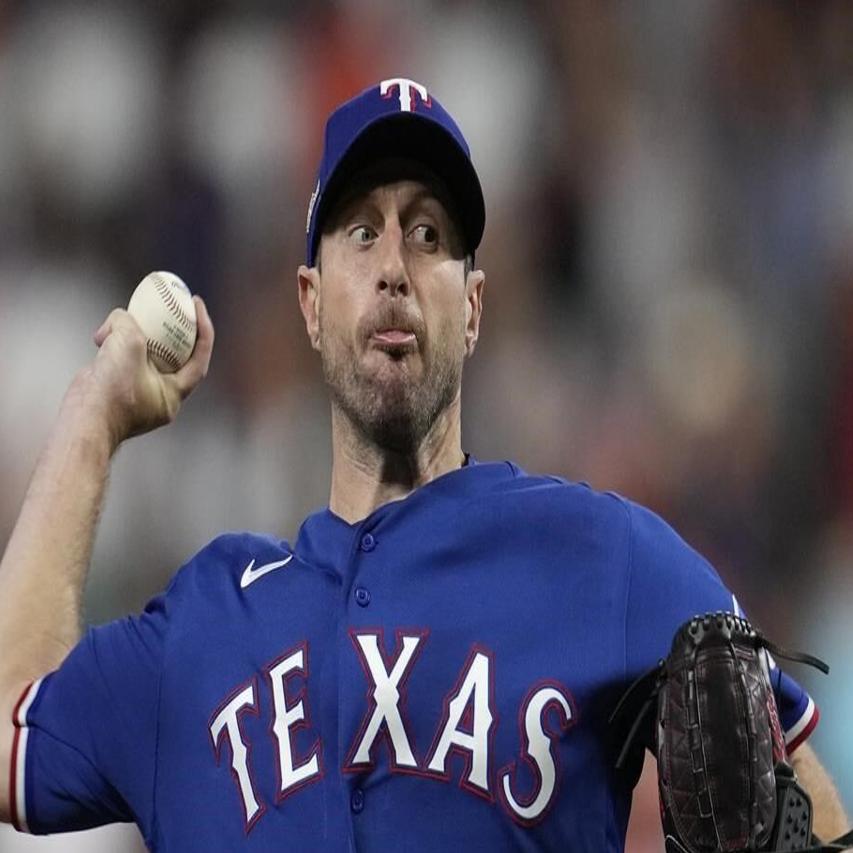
(365, 476)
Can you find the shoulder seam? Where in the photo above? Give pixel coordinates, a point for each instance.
(516, 471)
(629, 574)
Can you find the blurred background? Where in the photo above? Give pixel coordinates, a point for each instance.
(669, 299)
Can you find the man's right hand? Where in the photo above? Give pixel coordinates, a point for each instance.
(124, 388)
(43, 569)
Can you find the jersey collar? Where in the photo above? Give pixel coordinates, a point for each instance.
(326, 540)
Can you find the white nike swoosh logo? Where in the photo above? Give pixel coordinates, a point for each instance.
(251, 574)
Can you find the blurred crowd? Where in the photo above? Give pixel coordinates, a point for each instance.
(669, 297)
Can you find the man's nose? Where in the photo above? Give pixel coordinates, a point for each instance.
(393, 275)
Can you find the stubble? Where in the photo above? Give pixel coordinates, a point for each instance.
(391, 407)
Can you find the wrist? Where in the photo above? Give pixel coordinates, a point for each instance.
(85, 416)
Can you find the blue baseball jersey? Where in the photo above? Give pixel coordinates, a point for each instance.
(437, 676)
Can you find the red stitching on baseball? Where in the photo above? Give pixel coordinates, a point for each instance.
(164, 288)
(155, 348)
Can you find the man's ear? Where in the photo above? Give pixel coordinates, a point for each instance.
(474, 283)
(308, 279)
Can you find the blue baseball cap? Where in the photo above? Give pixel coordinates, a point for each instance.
(396, 118)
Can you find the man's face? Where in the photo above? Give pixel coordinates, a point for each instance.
(394, 313)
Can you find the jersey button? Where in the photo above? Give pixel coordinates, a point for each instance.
(357, 800)
(362, 596)
(368, 543)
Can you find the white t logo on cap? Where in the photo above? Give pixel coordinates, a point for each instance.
(406, 89)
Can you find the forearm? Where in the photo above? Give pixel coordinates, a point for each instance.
(43, 571)
(830, 820)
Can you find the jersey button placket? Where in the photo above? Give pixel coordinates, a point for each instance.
(357, 800)
(361, 593)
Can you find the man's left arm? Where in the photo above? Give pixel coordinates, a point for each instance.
(829, 818)
(673, 582)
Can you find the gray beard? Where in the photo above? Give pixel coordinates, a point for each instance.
(393, 415)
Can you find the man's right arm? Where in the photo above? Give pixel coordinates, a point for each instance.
(44, 567)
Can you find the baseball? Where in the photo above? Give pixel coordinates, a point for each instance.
(162, 305)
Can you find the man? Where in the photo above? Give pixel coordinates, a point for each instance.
(431, 665)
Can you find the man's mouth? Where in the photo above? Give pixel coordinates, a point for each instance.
(394, 338)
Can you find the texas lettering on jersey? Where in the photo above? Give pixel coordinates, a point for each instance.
(466, 727)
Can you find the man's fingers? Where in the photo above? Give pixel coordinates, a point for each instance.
(106, 327)
(131, 341)
(118, 318)
(196, 368)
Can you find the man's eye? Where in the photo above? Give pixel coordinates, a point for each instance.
(425, 234)
(362, 234)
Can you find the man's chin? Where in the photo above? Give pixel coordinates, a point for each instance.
(390, 373)
(392, 417)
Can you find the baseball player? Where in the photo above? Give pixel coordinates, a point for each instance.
(431, 664)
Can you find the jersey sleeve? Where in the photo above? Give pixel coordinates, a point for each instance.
(84, 750)
(670, 583)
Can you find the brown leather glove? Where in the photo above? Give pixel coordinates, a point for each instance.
(719, 743)
(726, 785)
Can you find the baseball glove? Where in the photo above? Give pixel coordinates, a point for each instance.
(725, 782)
